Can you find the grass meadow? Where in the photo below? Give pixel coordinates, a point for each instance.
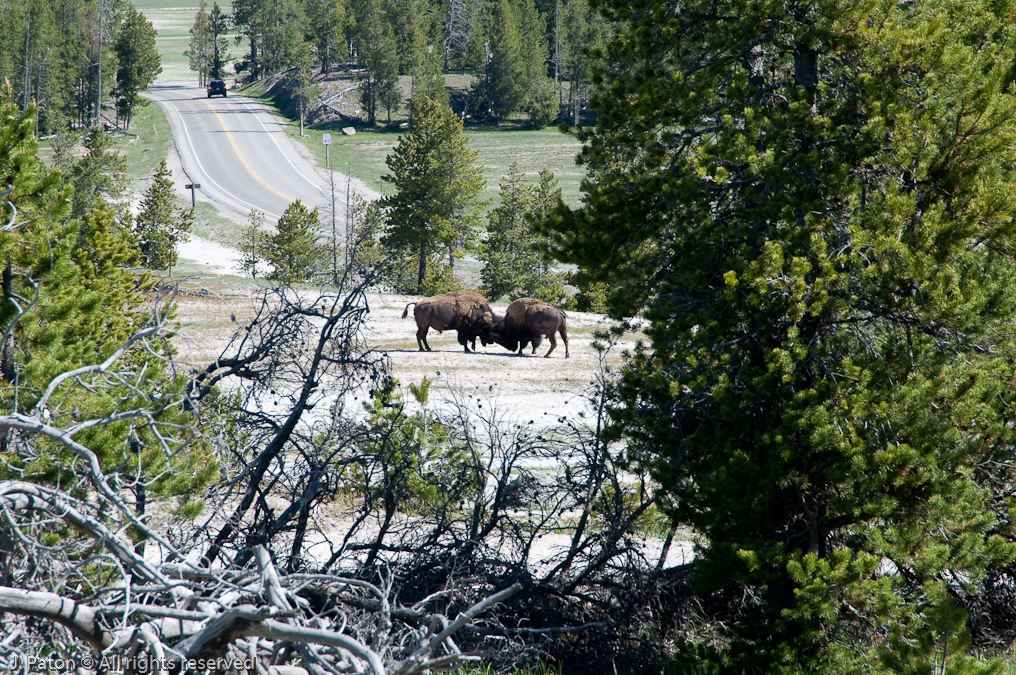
(363, 155)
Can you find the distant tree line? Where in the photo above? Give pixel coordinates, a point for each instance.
(523, 55)
(73, 57)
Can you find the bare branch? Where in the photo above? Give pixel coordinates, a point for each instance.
(415, 662)
(79, 619)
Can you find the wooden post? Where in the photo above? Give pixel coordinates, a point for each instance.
(192, 187)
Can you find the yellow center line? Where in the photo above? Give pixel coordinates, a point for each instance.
(240, 155)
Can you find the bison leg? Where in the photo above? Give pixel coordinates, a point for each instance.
(421, 339)
(464, 340)
(553, 346)
(564, 336)
(537, 341)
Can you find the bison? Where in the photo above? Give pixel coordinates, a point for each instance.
(462, 311)
(528, 320)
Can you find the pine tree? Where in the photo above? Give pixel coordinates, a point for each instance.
(411, 24)
(139, 62)
(105, 257)
(363, 251)
(428, 57)
(813, 206)
(34, 240)
(70, 299)
(100, 175)
(509, 262)
(327, 23)
(375, 41)
(540, 103)
(252, 244)
(30, 35)
(199, 51)
(273, 29)
(516, 258)
(293, 251)
(50, 50)
(69, 296)
(583, 33)
(515, 78)
(436, 206)
(550, 284)
(301, 78)
(218, 28)
(159, 227)
(507, 75)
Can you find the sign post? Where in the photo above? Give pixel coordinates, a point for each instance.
(192, 187)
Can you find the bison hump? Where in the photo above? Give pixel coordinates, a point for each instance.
(466, 302)
(519, 311)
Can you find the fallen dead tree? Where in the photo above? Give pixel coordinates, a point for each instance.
(226, 624)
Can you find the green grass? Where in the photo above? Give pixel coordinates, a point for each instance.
(150, 146)
(145, 145)
(533, 150)
(363, 155)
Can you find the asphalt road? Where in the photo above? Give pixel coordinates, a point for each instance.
(242, 158)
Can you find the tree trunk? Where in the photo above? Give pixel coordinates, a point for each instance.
(28, 75)
(806, 72)
(755, 63)
(557, 59)
(98, 88)
(423, 266)
(7, 348)
(578, 100)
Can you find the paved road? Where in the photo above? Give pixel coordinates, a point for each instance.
(236, 149)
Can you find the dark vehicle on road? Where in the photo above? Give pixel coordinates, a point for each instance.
(216, 87)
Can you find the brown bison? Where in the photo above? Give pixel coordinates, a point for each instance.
(462, 311)
(528, 320)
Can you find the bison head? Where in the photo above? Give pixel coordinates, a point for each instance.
(510, 337)
(487, 328)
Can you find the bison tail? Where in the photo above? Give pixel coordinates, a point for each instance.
(405, 312)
